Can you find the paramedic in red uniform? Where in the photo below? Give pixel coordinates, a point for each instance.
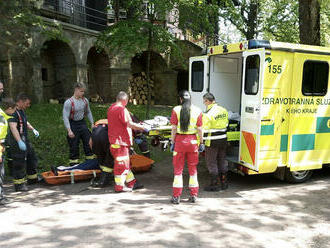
(120, 139)
(74, 111)
(186, 120)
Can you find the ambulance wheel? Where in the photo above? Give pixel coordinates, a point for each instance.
(297, 176)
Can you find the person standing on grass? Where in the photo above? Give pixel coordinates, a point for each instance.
(120, 127)
(186, 120)
(74, 111)
(22, 158)
(9, 107)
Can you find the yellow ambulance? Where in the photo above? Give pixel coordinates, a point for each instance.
(279, 93)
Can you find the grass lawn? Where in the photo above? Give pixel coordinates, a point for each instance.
(51, 146)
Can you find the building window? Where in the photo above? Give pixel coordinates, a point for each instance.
(197, 76)
(315, 78)
(44, 74)
(252, 68)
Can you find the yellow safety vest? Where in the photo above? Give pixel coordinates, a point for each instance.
(215, 123)
(3, 125)
(194, 113)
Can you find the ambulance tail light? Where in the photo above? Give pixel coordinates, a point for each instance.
(243, 169)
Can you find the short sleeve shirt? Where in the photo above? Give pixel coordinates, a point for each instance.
(19, 117)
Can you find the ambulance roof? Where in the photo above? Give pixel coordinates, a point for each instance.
(269, 45)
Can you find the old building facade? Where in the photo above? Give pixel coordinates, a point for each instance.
(52, 66)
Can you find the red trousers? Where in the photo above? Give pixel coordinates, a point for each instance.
(124, 177)
(185, 149)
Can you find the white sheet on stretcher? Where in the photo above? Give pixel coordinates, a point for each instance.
(158, 122)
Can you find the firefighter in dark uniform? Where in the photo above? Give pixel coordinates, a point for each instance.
(100, 146)
(21, 156)
(74, 111)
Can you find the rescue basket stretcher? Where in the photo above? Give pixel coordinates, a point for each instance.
(139, 163)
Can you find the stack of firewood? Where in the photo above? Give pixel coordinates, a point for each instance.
(138, 89)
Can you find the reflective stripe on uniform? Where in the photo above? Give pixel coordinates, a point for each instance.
(115, 146)
(120, 179)
(215, 137)
(34, 176)
(177, 182)
(130, 177)
(106, 169)
(145, 152)
(193, 181)
(122, 158)
(19, 181)
(91, 157)
(214, 130)
(71, 161)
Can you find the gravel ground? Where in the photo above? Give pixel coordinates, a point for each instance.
(256, 211)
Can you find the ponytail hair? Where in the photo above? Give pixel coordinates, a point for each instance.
(185, 110)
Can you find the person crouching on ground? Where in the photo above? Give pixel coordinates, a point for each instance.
(120, 138)
(186, 120)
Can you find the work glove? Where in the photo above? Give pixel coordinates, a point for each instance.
(201, 148)
(36, 133)
(21, 145)
(172, 147)
(138, 141)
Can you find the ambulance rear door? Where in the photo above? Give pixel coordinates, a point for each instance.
(198, 79)
(252, 80)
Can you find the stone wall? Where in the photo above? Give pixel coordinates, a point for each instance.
(51, 68)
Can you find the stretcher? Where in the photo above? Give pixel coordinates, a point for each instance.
(160, 132)
(69, 176)
(139, 163)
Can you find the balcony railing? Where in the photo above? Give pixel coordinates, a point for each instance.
(89, 14)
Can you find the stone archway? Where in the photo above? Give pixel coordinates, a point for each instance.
(58, 70)
(98, 74)
(163, 79)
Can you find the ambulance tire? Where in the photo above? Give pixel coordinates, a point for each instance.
(297, 176)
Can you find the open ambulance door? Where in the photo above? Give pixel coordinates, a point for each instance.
(252, 80)
(198, 79)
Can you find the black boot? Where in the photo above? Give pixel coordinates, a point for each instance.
(104, 180)
(224, 181)
(214, 185)
(54, 170)
(138, 185)
(175, 200)
(21, 187)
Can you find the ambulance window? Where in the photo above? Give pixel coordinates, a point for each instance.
(197, 76)
(252, 65)
(315, 78)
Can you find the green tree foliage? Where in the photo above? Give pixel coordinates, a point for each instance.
(325, 22)
(281, 22)
(245, 15)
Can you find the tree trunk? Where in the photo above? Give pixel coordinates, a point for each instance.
(148, 73)
(252, 20)
(9, 85)
(309, 22)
